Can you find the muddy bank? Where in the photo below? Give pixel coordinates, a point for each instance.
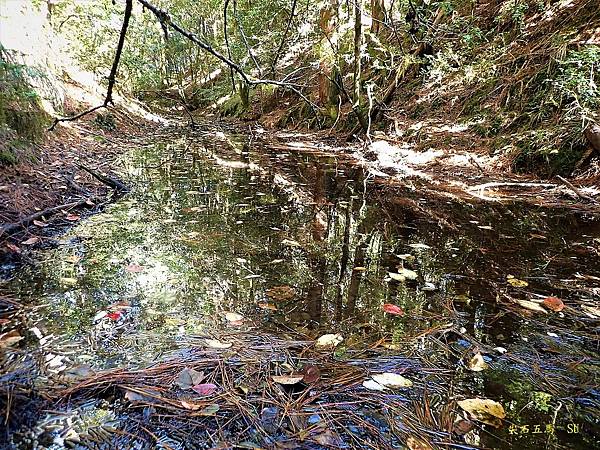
(233, 255)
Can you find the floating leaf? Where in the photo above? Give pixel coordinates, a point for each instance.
(477, 363)
(484, 410)
(213, 343)
(462, 427)
(419, 246)
(373, 385)
(393, 309)
(533, 306)
(515, 282)
(360, 269)
(188, 378)
(312, 374)
(287, 379)
(234, 318)
(268, 306)
(392, 380)
(72, 217)
(205, 389)
(13, 248)
(329, 340)
(31, 241)
(40, 224)
(554, 304)
(191, 406)
(9, 338)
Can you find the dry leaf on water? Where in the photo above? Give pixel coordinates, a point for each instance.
(477, 363)
(329, 340)
(484, 410)
(393, 309)
(311, 374)
(234, 318)
(287, 379)
(213, 343)
(532, 306)
(515, 282)
(9, 338)
(554, 304)
(72, 217)
(392, 380)
(188, 378)
(205, 389)
(373, 385)
(31, 241)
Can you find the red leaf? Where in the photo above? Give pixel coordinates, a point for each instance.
(114, 315)
(13, 248)
(205, 389)
(393, 309)
(72, 217)
(311, 374)
(554, 303)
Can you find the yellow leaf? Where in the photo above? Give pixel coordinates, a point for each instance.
(329, 340)
(477, 364)
(392, 380)
(484, 410)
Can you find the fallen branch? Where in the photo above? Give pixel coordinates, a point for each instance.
(12, 228)
(110, 182)
(108, 100)
(577, 192)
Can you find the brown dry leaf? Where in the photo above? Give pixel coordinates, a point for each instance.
(191, 406)
(554, 304)
(214, 343)
(188, 378)
(287, 379)
(477, 363)
(532, 306)
(13, 247)
(40, 224)
(311, 374)
(462, 427)
(268, 306)
(414, 443)
(73, 217)
(31, 241)
(484, 410)
(515, 282)
(281, 293)
(9, 338)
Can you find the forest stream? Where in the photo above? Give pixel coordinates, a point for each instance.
(224, 239)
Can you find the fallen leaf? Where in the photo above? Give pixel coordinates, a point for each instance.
(213, 343)
(114, 315)
(533, 306)
(515, 282)
(327, 439)
(69, 281)
(393, 309)
(72, 217)
(191, 406)
(31, 241)
(419, 246)
(329, 340)
(234, 318)
(287, 379)
(40, 224)
(414, 443)
(373, 385)
(484, 410)
(360, 269)
(477, 363)
(291, 243)
(13, 248)
(268, 306)
(205, 389)
(462, 426)
(554, 304)
(281, 293)
(312, 374)
(4, 321)
(188, 378)
(210, 410)
(73, 259)
(9, 338)
(134, 268)
(391, 380)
